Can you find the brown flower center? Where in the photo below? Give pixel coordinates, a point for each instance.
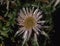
(29, 22)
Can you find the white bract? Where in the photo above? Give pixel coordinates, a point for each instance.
(56, 3)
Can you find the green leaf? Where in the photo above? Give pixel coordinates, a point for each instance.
(4, 33)
(45, 34)
(1, 37)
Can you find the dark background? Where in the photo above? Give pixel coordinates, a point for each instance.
(56, 37)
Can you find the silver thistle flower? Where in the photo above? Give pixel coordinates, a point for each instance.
(30, 19)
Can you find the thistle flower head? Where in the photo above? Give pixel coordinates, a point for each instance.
(29, 19)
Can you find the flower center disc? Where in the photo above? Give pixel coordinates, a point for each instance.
(29, 22)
